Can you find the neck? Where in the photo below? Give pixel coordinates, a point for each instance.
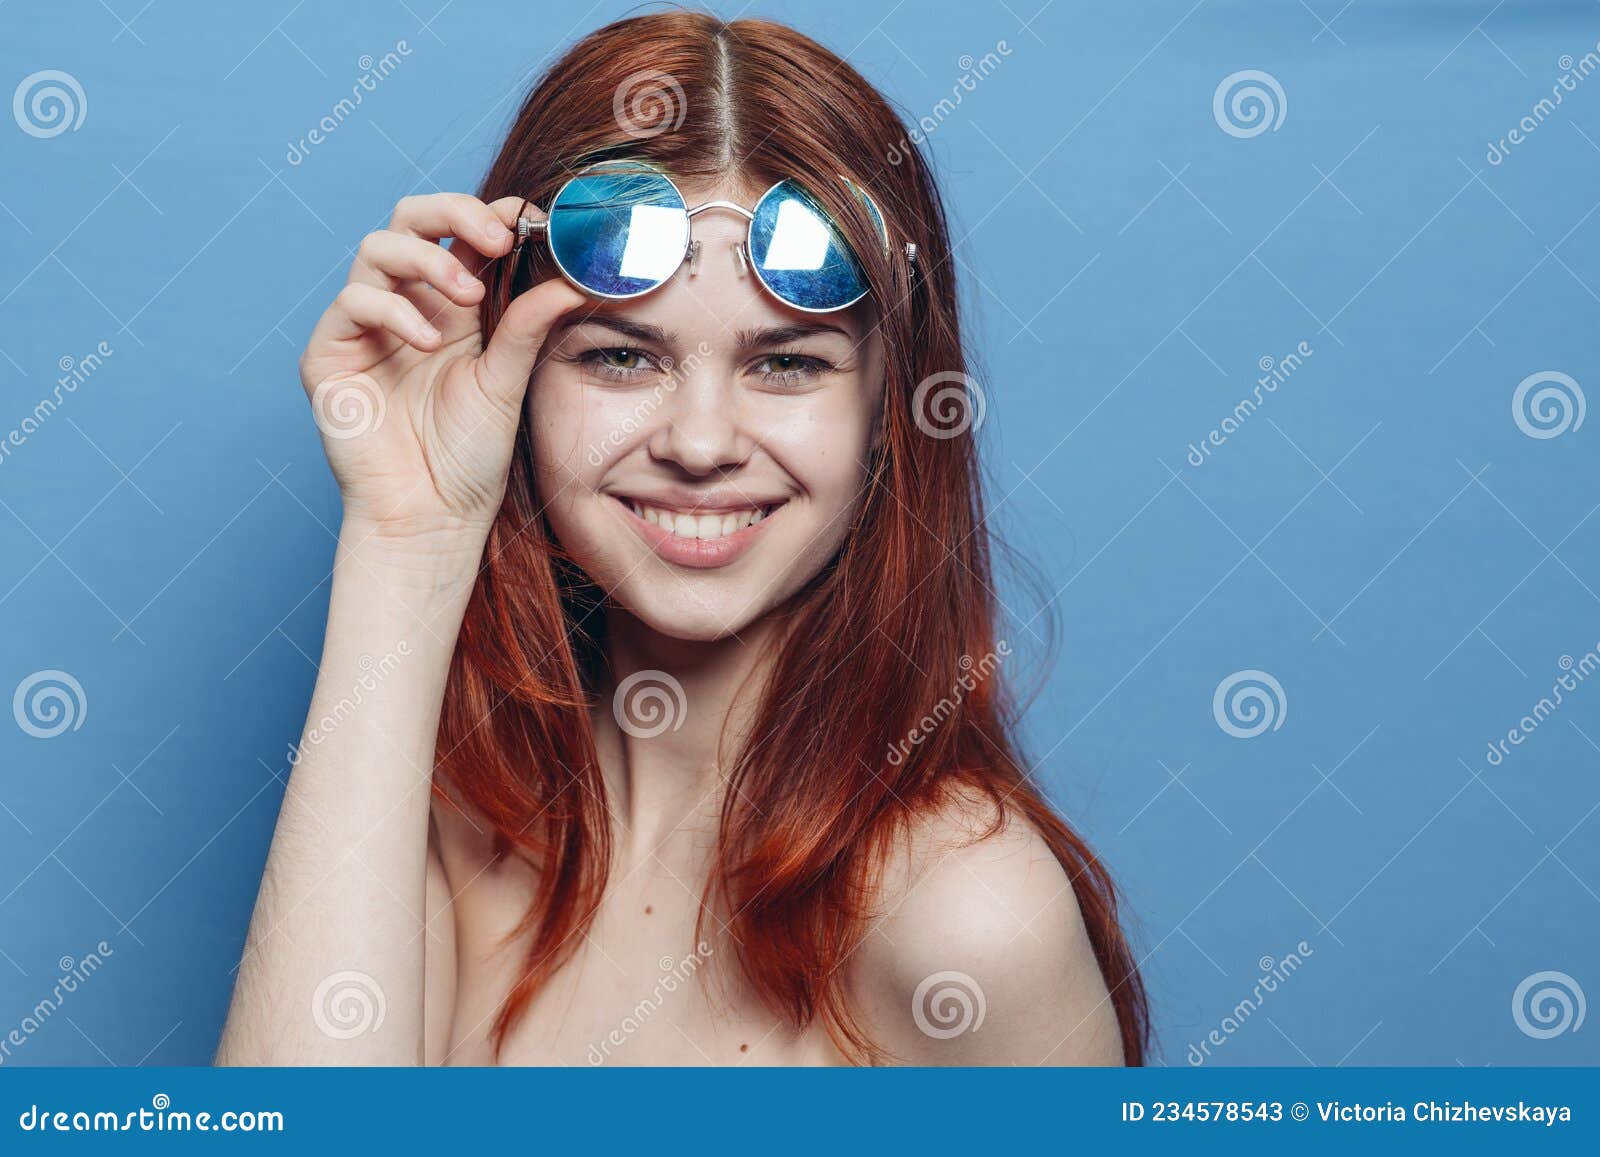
(672, 721)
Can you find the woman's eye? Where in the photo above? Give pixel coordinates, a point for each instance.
(789, 369)
(618, 361)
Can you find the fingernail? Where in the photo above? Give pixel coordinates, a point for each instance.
(427, 333)
(465, 280)
(497, 232)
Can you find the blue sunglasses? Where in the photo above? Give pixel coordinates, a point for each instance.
(620, 229)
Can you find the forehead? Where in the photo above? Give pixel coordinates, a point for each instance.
(740, 189)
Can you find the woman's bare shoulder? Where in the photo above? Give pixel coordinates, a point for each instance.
(978, 953)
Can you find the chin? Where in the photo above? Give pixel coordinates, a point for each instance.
(686, 619)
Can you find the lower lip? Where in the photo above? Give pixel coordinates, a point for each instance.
(700, 553)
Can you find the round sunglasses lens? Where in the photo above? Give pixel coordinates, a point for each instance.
(799, 255)
(619, 230)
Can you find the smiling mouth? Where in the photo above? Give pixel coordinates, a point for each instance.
(707, 527)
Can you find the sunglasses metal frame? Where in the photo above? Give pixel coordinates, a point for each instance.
(528, 226)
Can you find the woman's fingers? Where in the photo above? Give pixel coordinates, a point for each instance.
(379, 297)
(385, 259)
(478, 232)
(506, 365)
(360, 308)
(506, 210)
(458, 215)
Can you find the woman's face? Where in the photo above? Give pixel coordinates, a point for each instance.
(701, 450)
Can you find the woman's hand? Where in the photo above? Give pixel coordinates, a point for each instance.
(418, 419)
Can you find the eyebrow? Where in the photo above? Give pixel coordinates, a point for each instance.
(637, 330)
(744, 339)
(783, 334)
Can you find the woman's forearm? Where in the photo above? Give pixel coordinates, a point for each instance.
(332, 971)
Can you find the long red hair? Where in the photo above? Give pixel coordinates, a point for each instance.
(827, 782)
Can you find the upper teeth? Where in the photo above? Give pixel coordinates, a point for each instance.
(703, 526)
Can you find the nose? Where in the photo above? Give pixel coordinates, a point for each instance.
(702, 432)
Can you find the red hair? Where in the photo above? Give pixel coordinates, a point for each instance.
(826, 783)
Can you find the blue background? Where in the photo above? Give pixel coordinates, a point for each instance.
(1380, 536)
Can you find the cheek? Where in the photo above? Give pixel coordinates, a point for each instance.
(579, 431)
(823, 443)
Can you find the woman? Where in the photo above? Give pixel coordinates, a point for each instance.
(687, 741)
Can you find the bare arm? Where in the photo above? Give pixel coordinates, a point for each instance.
(418, 422)
(336, 941)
